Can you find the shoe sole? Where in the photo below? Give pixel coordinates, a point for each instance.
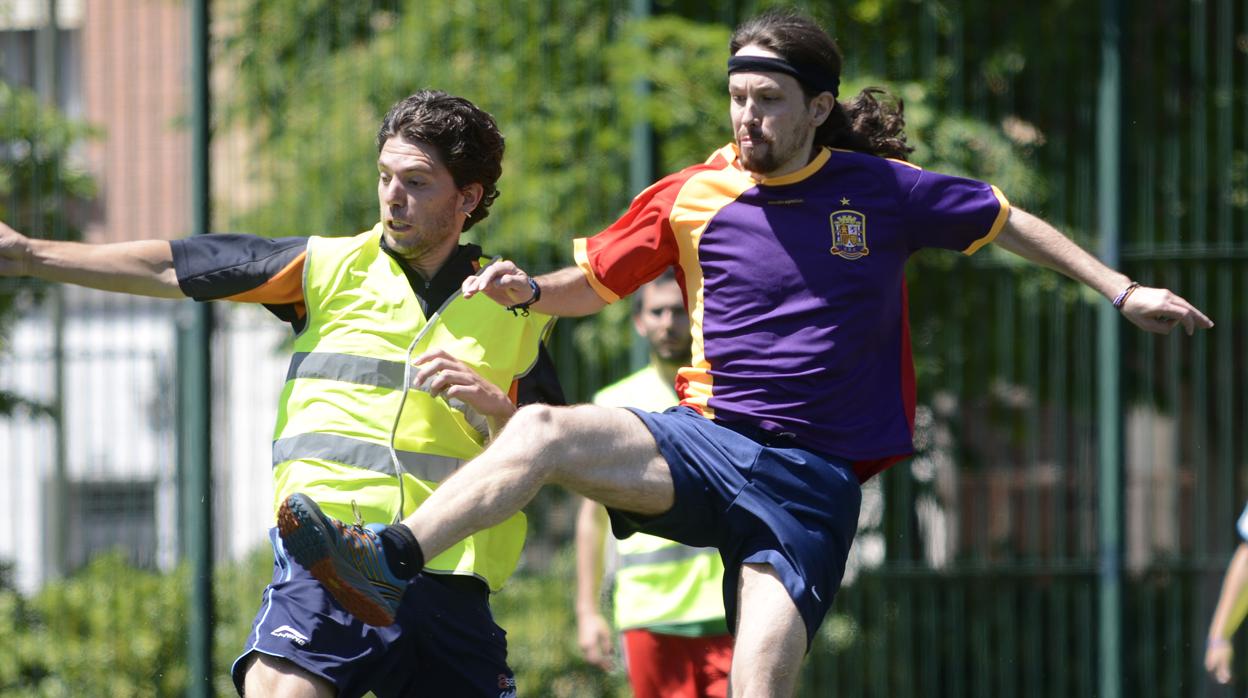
(306, 537)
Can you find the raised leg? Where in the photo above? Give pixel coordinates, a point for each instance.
(606, 454)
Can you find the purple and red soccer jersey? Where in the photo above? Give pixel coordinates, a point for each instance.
(796, 290)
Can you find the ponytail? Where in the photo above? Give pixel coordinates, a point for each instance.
(866, 124)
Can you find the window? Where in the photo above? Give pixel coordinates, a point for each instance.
(111, 515)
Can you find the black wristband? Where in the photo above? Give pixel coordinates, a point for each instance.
(523, 308)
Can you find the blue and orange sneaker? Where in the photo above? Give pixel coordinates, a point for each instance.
(348, 560)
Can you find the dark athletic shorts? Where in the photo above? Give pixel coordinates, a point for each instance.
(443, 643)
(759, 500)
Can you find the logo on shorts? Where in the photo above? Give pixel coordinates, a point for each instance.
(291, 634)
(849, 234)
(507, 684)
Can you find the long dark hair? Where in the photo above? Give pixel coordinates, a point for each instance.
(870, 123)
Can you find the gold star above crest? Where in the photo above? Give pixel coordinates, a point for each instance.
(844, 201)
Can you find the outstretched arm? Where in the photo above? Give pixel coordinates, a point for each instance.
(1232, 605)
(565, 293)
(142, 267)
(1154, 309)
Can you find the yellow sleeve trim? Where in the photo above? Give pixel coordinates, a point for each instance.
(580, 252)
(1002, 216)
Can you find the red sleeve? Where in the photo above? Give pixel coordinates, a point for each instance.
(636, 248)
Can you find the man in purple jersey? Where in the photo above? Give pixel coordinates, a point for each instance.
(790, 245)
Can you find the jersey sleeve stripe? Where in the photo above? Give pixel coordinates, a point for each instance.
(284, 287)
(1003, 214)
(580, 252)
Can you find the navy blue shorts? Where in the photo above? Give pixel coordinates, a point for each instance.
(443, 643)
(759, 500)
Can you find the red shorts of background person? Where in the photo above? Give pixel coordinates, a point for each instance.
(671, 666)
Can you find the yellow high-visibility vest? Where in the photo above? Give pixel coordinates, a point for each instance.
(345, 385)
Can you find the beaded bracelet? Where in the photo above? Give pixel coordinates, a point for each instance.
(1121, 298)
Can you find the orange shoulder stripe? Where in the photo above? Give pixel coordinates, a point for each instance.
(283, 288)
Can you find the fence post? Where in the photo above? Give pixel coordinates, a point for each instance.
(195, 428)
(48, 68)
(1109, 393)
(641, 164)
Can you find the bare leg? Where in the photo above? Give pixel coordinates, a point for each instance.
(603, 453)
(771, 637)
(281, 678)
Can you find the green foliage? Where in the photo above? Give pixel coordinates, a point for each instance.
(320, 163)
(115, 630)
(39, 185)
(536, 611)
(298, 35)
(683, 60)
(38, 176)
(110, 630)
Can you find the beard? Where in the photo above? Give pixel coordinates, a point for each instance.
(762, 163)
(769, 154)
(426, 235)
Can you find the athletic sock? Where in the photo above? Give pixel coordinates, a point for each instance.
(403, 553)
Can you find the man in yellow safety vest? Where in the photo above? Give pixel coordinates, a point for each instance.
(394, 382)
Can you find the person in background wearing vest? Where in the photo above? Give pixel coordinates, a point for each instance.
(668, 597)
(1232, 606)
(395, 378)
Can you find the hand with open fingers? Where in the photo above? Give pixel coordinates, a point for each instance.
(1160, 310)
(594, 637)
(440, 374)
(1218, 656)
(14, 252)
(503, 281)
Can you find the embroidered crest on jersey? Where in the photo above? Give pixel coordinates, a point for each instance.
(849, 234)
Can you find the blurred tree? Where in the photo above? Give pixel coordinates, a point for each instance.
(40, 185)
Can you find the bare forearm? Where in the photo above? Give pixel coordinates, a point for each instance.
(1035, 240)
(564, 293)
(1157, 310)
(1233, 601)
(590, 530)
(142, 267)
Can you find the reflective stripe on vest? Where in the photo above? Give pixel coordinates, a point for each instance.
(361, 454)
(366, 370)
(673, 554)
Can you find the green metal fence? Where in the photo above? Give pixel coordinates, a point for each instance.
(1065, 523)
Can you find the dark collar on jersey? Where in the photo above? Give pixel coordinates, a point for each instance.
(432, 293)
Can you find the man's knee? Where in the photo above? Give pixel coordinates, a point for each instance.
(535, 421)
(544, 427)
